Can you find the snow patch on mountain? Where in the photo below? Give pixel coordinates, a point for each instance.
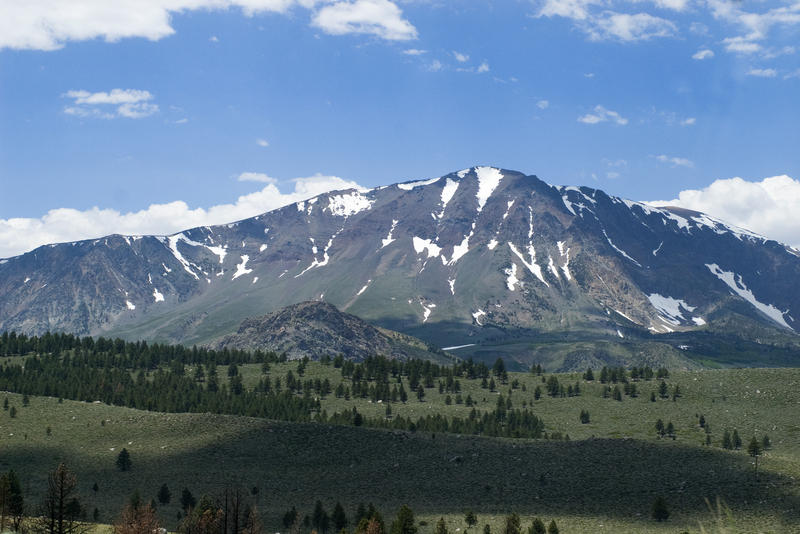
(421, 245)
(348, 204)
(463, 173)
(488, 180)
(511, 277)
(173, 247)
(532, 266)
(389, 239)
(449, 189)
(492, 244)
(615, 247)
(699, 321)
(735, 282)
(157, 295)
(427, 310)
(670, 308)
(360, 291)
(408, 186)
(241, 269)
(452, 283)
(564, 254)
(477, 316)
(130, 305)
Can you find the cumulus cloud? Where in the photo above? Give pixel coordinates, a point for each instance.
(262, 142)
(702, 54)
(50, 24)
(602, 114)
(543, 104)
(768, 207)
(461, 58)
(689, 121)
(628, 27)
(129, 103)
(256, 177)
(762, 73)
(381, 18)
(675, 161)
(483, 67)
(19, 235)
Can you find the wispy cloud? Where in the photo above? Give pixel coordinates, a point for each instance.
(703, 53)
(601, 114)
(675, 161)
(262, 143)
(127, 103)
(414, 52)
(461, 58)
(543, 104)
(762, 73)
(256, 177)
(483, 67)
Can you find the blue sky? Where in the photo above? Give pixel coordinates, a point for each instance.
(205, 109)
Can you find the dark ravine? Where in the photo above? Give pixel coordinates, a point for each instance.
(484, 257)
(316, 329)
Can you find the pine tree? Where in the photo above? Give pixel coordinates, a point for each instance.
(338, 517)
(537, 527)
(660, 428)
(754, 450)
(164, 494)
(188, 501)
(737, 441)
(663, 391)
(766, 443)
(588, 375)
(124, 460)
(660, 511)
(553, 528)
(726, 440)
(441, 526)
(404, 522)
(584, 418)
(512, 525)
(471, 519)
(420, 393)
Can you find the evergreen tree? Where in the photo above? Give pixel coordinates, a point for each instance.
(290, 517)
(670, 430)
(124, 460)
(737, 441)
(441, 526)
(553, 528)
(12, 503)
(766, 443)
(470, 519)
(663, 391)
(588, 375)
(584, 417)
(537, 527)
(404, 522)
(512, 525)
(487, 529)
(338, 517)
(726, 440)
(163, 494)
(137, 520)
(754, 450)
(660, 428)
(420, 393)
(660, 511)
(188, 501)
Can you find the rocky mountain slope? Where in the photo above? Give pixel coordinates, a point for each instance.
(481, 257)
(314, 329)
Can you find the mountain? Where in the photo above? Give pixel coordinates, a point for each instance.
(490, 259)
(314, 329)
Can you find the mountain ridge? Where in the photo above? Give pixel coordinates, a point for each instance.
(475, 256)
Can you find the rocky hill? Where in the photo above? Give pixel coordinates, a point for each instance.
(317, 329)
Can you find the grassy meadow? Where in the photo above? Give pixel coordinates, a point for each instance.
(604, 479)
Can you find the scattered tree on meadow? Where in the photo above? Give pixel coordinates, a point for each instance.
(726, 440)
(137, 520)
(187, 500)
(660, 428)
(404, 522)
(61, 508)
(537, 527)
(470, 519)
(124, 460)
(584, 417)
(553, 528)
(766, 443)
(441, 526)
(487, 529)
(164, 494)
(290, 517)
(512, 525)
(754, 450)
(737, 441)
(12, 503)
(588, 375)
(660, 511)
(663, 390)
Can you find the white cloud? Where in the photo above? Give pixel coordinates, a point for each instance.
(18, 235)
(483, 67)
(461, 58)
(256, 177)
(414, 52)
(543, 104)
(741, 45)
(795, 74)
(675, 161)
(381, 18)
(262, 142)
(182, 121)
(602, 114)
(129, 103)
(214, 39)
(50, 24)
(702, 54)
(629, 28)
(612, 175)
(572, 9)
(768, 207)
(435, 66)
(689, 121)
(675, 5)
(756, 26)
(762, 73)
